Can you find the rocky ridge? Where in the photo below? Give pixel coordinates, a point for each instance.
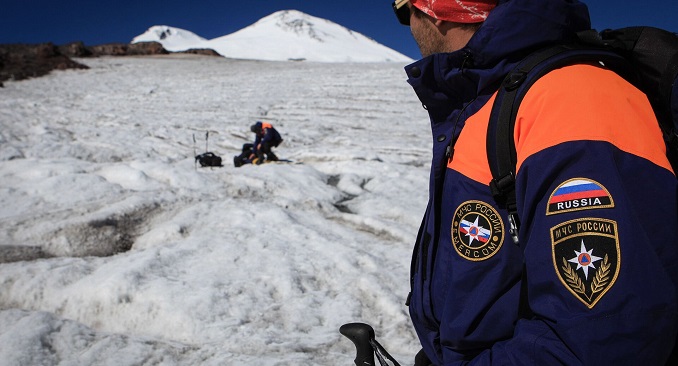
(23, 61)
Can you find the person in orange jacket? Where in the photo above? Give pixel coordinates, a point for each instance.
(594, 279)
(267, 137)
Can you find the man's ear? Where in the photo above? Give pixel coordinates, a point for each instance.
(443, 26)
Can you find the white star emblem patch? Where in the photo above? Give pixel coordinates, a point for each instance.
(584, 259)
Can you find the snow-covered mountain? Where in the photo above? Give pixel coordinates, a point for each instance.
(172, 39)
(282, 36)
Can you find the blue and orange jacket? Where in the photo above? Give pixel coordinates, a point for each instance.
(595, 278)
(268, 134)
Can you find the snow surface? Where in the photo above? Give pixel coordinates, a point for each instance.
(282, 36)
(116, 250)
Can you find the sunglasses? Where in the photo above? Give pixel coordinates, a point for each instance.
(402, 11)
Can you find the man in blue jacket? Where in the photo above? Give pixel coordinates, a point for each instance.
(266, 138)
(594, 279)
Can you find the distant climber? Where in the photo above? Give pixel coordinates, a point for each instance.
(266, 138)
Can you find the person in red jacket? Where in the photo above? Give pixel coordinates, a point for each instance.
(594, 279)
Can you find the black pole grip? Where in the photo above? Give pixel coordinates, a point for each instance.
(360, 334)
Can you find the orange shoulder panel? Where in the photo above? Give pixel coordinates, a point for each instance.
(470, 152)
(574, 103)
(584, 102)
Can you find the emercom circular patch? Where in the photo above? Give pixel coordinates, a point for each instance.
(477, 230)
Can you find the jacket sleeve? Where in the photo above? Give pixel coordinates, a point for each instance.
(597, 200)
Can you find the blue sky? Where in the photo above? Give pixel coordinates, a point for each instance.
(97, 22)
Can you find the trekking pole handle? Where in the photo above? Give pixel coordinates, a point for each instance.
(360, 334)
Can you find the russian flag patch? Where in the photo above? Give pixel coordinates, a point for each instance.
(578, 194)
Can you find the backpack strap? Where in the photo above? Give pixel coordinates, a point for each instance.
(501, 150)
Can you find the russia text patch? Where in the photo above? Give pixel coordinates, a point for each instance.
(578, 194)
(477, 230)
(586, 257)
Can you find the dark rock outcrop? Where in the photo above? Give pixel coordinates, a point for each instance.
(202, 51)
(124, 49)
(75, 49)
(22, 61)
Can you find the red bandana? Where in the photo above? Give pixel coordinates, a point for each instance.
(458, 11)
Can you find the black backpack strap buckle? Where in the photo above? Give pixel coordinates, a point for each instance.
(504, 191)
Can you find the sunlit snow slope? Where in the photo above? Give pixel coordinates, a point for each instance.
(116, 250)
